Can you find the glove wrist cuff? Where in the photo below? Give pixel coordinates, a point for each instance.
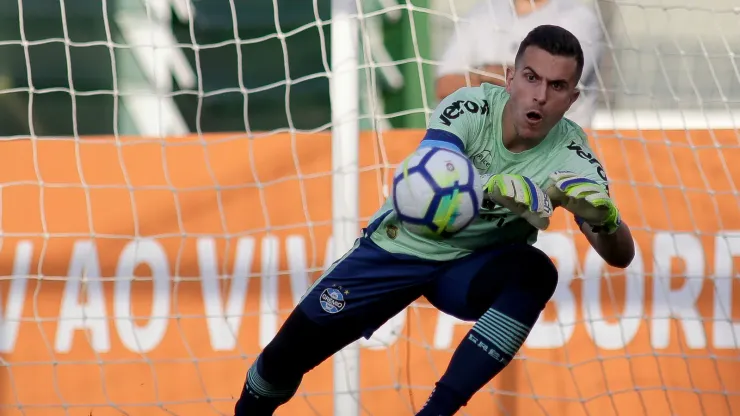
(607, 228)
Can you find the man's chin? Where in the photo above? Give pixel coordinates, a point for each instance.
(528, 131)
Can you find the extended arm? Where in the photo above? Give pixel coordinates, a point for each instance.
(596, 215)
(617, 249)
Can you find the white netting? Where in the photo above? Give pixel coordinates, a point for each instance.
(167, 198)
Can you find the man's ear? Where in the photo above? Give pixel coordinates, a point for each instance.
(510, 71)
(574, 96)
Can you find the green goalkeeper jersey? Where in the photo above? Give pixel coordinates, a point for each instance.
(470, 119)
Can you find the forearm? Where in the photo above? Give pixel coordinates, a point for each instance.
(617, 249)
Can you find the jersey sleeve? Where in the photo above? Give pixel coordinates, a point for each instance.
(458, 119)
(582, 160)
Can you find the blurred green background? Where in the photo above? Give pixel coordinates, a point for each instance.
(73, 82)
(71, 68)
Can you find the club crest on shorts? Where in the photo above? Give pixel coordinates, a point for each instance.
(332, 300)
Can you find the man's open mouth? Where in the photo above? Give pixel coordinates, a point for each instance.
(534, 116)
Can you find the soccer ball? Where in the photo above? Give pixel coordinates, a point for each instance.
(436, 192)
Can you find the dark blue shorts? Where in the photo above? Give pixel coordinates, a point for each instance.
(369, 285)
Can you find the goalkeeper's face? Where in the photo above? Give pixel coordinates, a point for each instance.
(542, 87)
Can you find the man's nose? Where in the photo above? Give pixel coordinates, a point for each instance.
(540, 94)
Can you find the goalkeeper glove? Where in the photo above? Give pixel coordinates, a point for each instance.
(586, 199)
(521, 196)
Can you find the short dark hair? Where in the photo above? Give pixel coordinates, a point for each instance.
(554, 40)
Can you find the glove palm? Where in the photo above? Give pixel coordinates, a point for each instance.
(521, 196)
(585, 198)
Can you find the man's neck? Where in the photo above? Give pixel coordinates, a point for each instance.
(511, 140)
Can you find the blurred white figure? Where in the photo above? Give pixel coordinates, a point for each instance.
(488, 36)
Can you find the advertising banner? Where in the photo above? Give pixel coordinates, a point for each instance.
(143, 277)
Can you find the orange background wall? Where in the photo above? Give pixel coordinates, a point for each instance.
(86, 224)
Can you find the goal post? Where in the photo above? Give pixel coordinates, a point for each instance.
(175, 174)
(345, 105)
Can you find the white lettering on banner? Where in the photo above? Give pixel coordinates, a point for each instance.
(612, 336)
(269, 290)
(83, 305)
(299, 281)
(329, 254)
(681, 303)
(726, 333)
(10, 315)
(557, 333)
(223, 322)
(90, 315)
(133, 337)
(295, 249)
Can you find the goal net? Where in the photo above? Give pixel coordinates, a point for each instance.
(176, 173)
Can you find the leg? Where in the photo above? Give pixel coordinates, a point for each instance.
(504, 291)
(352, 299)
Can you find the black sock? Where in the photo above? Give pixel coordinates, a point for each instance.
(260, 397)
(487, 348)
(276, 375)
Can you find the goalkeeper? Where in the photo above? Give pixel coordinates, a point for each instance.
(531, 159)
